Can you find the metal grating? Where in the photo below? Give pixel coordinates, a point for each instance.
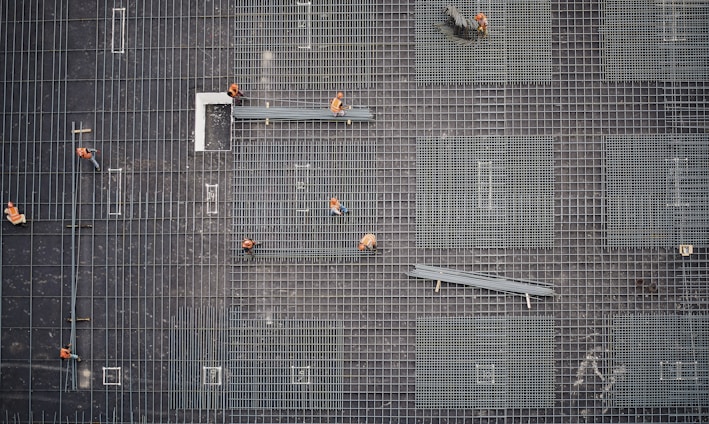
(484, 192)
(289, 364)
(288, 44)
(198, 354)
(282, 191)
(518, 48)
(664, 358)
(656, 188)
(466, 362)
(655, 40)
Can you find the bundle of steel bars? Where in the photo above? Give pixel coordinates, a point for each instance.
(296, 114)
(483, 281)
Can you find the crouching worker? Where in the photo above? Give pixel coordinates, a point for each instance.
(65, 353)
(337, 107)
(336, 208)
(368, 242)
(248, 246)
(14, 215)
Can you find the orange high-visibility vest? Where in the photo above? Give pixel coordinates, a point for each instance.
(482, 20)
(83, 153)
(14, 215)
(369, 241)
(336, 105)
(64, 353)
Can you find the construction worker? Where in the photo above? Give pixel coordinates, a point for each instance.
(235, 93)
(248, 245)
(369, 242)
(336, 208)
(481, 19)
(65, 353)
(88, 154)
(14, 215)
(337, 107)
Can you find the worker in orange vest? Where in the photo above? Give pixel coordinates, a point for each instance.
(88, 154)
(14, 215)
(235, 93)
(65, 353)
(248, 245)
(336, 208)
(481, 19)
(337, 107)
(369, 242)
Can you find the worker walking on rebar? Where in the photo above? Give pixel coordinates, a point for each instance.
(248, 245)
(369, 242)
(88, 154)
(337, 107)
(337, 208)
(14, 215)
(65, 353)
(235, 93)
(481, 19)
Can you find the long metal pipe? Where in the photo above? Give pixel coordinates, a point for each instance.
(481, 281)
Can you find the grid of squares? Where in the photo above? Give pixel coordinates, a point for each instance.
(166, 251)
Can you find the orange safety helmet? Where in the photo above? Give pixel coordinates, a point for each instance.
(10, 205)
(340, 94)
(361, 246)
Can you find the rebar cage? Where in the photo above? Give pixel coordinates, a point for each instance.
(567, 148)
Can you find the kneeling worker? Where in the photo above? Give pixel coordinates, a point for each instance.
(369, 242)
(337, 107)
(14, 215)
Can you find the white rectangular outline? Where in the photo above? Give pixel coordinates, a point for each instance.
(204, 376)
(119, 191)
(308, 24)
(301, 185)
(215, 202)
(678, 374)
(295, 376)
(121, 12)
(484, 167)
(118, 375)
(201, 100)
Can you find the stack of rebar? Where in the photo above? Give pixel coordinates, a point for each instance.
(483, 281)
(296, 114)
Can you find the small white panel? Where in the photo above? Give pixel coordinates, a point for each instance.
(200, 110)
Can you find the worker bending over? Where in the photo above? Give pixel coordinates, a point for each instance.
(369, 242)
(481, 19)
(88, 154)
(65, 353)
(337, 107)
(14, 215)
(235, 93)
(336, 208)
(247, 245)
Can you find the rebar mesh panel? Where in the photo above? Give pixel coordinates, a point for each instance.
(484, 192)
(198, 340)
(518, 48)
(302, 44)
(282, 190)
(286, 365)
(665, 360)
(656, 186)
(468, 362)
(655, 40)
